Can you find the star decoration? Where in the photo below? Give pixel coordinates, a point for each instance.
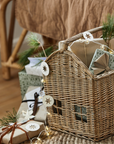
(32, 126)
(28, 114)
(48, 101)
(88, 36)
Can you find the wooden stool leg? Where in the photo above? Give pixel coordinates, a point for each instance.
(4, 46)
(11, 29)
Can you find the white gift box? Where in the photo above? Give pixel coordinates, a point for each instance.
(31, 68)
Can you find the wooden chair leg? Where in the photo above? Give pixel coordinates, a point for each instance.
(17, 47)
(4, 46)
(11, 29)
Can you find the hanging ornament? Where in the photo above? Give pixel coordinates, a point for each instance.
(28, 114)
(87, 35)
(48, 101)
(45, 68)
(32, 127)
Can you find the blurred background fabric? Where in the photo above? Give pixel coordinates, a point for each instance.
(61, 19)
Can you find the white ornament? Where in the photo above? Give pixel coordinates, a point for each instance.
(28, 114)
(32, 127)
(48, 101)
(102, 47)
(87, 35)
(45, 68)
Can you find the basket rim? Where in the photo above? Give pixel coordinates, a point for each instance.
(86, 69)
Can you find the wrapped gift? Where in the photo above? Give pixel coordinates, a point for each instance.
(22, 133)
(27, 80)
(85, 49)
(104, 60)
(41, 110)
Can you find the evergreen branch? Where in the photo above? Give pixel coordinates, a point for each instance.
(23, 57)
(108, 29)
(10, 118)
(33, 40)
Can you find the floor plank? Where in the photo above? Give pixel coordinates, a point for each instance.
(10, 94)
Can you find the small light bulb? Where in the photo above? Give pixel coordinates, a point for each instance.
(111, 52)
(47, 134)
(40, 97)
(43, 81)
(48, 113)
(38, 139)
(87, 42)
(47, 128)
(102, 46)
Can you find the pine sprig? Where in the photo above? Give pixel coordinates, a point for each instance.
(9, 118)
(34, 43)
(108, 29)
(23, 57)
(33, 40)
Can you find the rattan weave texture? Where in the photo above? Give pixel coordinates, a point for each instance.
(83, 103)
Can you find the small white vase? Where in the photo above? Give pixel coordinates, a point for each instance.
(35, 60)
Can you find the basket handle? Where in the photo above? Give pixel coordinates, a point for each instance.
(65, 43)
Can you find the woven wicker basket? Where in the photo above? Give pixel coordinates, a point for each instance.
(83, 103)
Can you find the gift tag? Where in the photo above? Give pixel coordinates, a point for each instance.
(45, 68)
(48, 101)
(32, 127)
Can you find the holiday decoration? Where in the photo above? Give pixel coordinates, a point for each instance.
(28, 104)
(102, 61)
(18, 133)
(35, 43)
(45, 68)
(82, 102)
(101, 64)
(85, 49)
(28, 115)
(32, 126)
(9, 118)
(108, 29)
(27, 80)
(87, 35)
(48, 101)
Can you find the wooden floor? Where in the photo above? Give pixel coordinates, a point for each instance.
(10, 95)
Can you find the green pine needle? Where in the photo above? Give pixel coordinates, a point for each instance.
(48, 51)
(108, 29)
(9, 118)
(33, 40)
(34, 43)
(23, 57)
